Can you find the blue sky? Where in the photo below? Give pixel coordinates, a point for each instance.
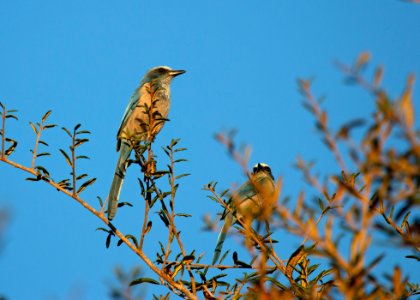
(83, 59)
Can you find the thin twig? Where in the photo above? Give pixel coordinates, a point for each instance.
(166, 277)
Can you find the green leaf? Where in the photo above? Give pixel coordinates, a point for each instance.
(391, 213)
(294, 259)
(213, 198)
(43, 154)
(81, 176)
(85, 185)
(100, 201)
(183, 215)
(121, 204)
(77, 126)
(11, 116)
(82, 157)
(11, 148)
(50, 126)
(224, 193)
(34, 128)
(83, 132)
(47, 114)
(321, 204)
(108, 239)
(68, 160)
(67, 131)
(166, 194)
(276, 283)
(224, 256)
(313, 268)
(182, 175)
(144, 280)
(180, 160)
(43, 170)
(102, 229)
(404, 222)
(413, 257)
(65, 183)
(174, 142)
(79, 142)
(166, 151)
(132, 238)
(43, 143)
(322, 275)
(164, 218)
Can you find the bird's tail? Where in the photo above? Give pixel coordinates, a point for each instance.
(118, 180)
(229, 219)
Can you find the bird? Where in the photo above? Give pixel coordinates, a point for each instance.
(250, 199)
(153, 92)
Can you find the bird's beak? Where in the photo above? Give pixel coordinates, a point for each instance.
(175, 73)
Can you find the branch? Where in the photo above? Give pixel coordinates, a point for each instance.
(166, 277)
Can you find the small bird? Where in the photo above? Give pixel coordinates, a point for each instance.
(251, 197)
(154, 89)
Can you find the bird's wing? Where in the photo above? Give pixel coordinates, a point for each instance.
(246, 191)
(132, 104)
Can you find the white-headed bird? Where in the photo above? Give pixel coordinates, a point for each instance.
(247, 203)
(153, 93)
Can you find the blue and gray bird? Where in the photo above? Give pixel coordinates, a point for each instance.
(154, 88)
(247, 202)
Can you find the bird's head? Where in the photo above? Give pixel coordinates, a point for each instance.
(161, 73)
(262, 167)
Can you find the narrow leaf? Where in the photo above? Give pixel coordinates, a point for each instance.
(144, 280)
(47, 114)
(11, 148)
(33, 127)
(121, 204)
(132, 238)
(294, 259)
(66, 157)
(183, 215)
(83, 132)
(108, 239)
(182, 175)
(43, 154)
(82, 157)
(85, 185)
(67, 131)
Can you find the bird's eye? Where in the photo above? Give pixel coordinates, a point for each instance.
(161, 71)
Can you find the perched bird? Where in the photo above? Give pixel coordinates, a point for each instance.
(250, 199)
(154, 89)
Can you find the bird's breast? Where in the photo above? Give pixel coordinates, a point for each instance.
(154, 97)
